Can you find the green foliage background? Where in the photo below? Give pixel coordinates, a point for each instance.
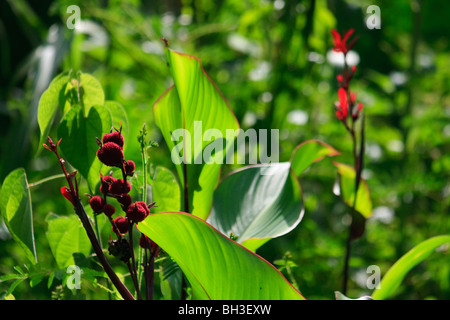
(269, 59)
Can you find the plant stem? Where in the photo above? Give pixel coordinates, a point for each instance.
(133, 263)
(183, 294)
(123, 290)
(149, 272)
(57, 176)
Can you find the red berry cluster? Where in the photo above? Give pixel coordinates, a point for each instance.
(110, 153)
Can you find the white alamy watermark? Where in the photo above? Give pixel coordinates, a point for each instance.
(373, 21)
(212, 146)
(74, 20)
(373, 280)
(74, 280)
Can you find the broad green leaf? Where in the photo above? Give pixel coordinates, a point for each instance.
(78, 143)
(193, 117)
(66, 236)
(16, 208)
(309, 152)
(49, 103)
(347, 177)
(258, 202)
(165, 191)
(119, 118)
(85, 91)
(215, 266)
(395, 275)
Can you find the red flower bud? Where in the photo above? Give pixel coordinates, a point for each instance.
(111, 154)
(137, 211)
(115, 137)
(66, 193)
(121, 224)
(109, 210)
(119, 187)
(106, 181)
(97, 204)
(125, 200)
(129, 167)
(147, 243)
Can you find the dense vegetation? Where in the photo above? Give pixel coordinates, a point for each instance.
(272, 61)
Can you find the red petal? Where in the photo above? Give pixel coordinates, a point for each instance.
(347, 35)
(336, 35)
(66, 193)
(342, 94)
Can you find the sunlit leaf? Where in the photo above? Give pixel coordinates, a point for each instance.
(195, 104)
(78, 143)
(17, 212)
(258, 202)
(395, 275)
(347, 177)
(165, 191)
(308, 153)
(215, 266)
(49, 104)
(66, 236)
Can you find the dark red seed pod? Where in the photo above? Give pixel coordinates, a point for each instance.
(125, 200)
(147, 243)
(109, 210)
(115, 137)
(121, 224)
(119, 187)
(97, 204)
(106, 181)
(111, 154)
(137, 212)
(129, 167)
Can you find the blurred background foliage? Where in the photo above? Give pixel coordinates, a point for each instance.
(271, 60)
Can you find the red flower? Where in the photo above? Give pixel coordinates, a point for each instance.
(340, 44)
(342, 105)
(129, 167)
(122, 225)
(97, 204)
(66, 193)
(138, 211)
(118, 186)
(109, 210)
(115, 137)
(111, 154)
(147, 243)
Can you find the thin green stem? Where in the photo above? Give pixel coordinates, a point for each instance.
(56, 176)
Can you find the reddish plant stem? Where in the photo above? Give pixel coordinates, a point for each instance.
(183, 294)
(133, 262)
(123, 290)
(358, 168)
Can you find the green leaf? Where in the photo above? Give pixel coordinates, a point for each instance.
(85, 91)
(119, 118)
(49, 103)
(309, 152)
(347, 177)
(78, 143)
(165, 191)
(395, 275)
(258, 202)
(66, 236)
(16, 208)
(215, 266)
(195, 105)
